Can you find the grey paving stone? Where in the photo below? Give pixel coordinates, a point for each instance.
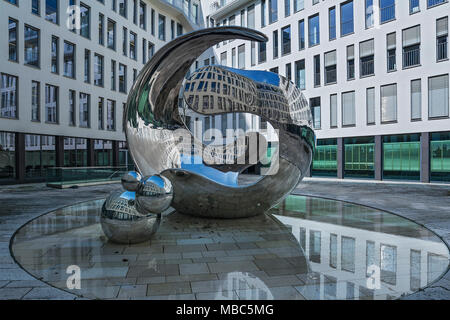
(193, 268)
(49, 293)
(13, 293)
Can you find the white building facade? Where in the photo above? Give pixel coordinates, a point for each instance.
(66, 69)
(375, 72)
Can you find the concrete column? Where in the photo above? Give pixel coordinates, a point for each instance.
(59, 150)
(20, 156)
(378, 165)
(115, 150)
(425, 157)
(340, 158)
(90, 152)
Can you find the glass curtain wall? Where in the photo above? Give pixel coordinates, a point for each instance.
(401, 157)
(359, 157)
(440, 156)
(325, 158)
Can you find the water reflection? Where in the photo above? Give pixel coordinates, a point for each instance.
(322, 249)
(362, 253)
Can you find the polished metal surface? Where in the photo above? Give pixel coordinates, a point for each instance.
(123, 223)
(131, 180)
(154, 194)
(156, 130)
(304, 248)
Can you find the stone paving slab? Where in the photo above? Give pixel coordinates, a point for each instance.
(411, 201)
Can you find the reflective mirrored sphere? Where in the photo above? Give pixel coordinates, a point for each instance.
(123, 223)
(154, 195)
(131, 180)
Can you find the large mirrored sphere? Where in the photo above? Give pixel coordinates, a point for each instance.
(154, 195)
(123, 223)
(130, 180)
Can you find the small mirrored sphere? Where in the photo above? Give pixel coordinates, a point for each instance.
(154, 195)
(123, 223)
(131, 180)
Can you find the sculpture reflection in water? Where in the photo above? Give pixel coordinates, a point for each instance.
(203, 178)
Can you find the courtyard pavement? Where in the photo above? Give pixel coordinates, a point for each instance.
(428, 205)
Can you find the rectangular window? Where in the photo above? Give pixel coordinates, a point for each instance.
(151, 49)
(252, 53)
(299, 5)
(123, 8)
(122, 78)
(9, 96)
(241, 57)
(388, 264)
(133, 41)
(438, 96)
(387, 10)
(101, 29)
(98, 70)
(142, 15)
(414, 6)
(333, 111)
(223, 58)
(113, 75)
(301, 35)
(347, 26)
(416, 99)
(366, 58)
(369, 14)
(314, 104)
(51, 11)
(87, 66)
(35, 101)
(85, 19)
(111, 115)
(288, 72)
(161, 27)
(391, 51)
(251, 17)
(152, 22)
(330, 67)
(300, 76)
(317, 70)
(124, 41)
(370, 105)
(388, 103)
(69, 59)
(313, 30)
(263, 13)
(442, 39)
(144, 51)
(348, 108)
(172, 29)
(415, 270)
(111, 34)
(411, 47)
(287, 8)
(286, 38)
(348, 247)
(51, 103)
(273, 11)
(12, 39)
(432, 3)
(350, 62)
(262, 56)
(84, 107)
(332, 23)
(242, 18)
(31, 48)
(35, 7)
(72, 120)
(180, 28)
(101, 122)
(55, 55)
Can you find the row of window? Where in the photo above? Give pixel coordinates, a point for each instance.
(438, 103)
(411, 40)
(386, 8)
(9, 104)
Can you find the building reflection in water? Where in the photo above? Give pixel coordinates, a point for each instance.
(348, 245)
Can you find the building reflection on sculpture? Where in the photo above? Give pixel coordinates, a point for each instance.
(342, 250)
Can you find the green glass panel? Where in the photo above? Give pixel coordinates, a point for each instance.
(440, 160)
(401, 160)
(359, 160)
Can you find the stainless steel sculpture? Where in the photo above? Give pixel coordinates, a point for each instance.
(153, 116)
(123, 223)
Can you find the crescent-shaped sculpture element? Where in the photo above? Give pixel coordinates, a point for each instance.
(152, 117)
